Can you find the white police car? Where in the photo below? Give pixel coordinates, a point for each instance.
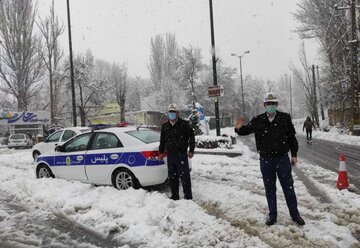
(57, 138)
(123, 157)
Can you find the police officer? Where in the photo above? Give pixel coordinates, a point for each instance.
(275, 136)
(176, 137)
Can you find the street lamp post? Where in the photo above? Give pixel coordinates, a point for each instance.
(241, 80)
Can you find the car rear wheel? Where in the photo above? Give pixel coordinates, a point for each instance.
(124, 179)
(36, 154)
(44, 171)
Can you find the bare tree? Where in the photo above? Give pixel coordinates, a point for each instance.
(189, 66)
(137, 88)
(22, 65)
(157, 58)
(320, 20)
(51, 29)
(89, 85)
(119, 80)
(304, 80)
(163, 70)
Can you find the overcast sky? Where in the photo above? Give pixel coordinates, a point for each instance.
(121, 30)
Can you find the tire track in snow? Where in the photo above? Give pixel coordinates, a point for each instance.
(281, 235)
(287, 237)
(25, 226)
(44, 226)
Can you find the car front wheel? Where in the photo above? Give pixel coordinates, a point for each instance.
(124, 179)
(44, 171)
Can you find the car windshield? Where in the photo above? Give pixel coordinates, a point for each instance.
(146, 136)
(17, 136)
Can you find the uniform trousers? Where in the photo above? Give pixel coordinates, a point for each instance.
(178, 167)
(280, 167)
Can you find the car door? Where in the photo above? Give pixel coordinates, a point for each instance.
(68, 134)
(52, 141)
(69, 162)
(104, 152)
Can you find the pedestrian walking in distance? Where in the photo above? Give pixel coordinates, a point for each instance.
(178, 140)
(308, 125)
(275, 137)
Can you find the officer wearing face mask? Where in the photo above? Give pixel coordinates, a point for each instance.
(178, 140)
(275, 137)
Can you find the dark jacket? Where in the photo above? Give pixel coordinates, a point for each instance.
(274, 138)
(176, 139)
(308, 124)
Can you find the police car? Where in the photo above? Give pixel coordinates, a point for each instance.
(123, 157)
(57, 138)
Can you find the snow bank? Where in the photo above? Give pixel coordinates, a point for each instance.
(334, 134)
(229, 207)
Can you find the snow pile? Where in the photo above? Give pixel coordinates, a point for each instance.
(210, 141)
(229, 207)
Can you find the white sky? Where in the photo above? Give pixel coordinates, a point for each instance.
(120, 31)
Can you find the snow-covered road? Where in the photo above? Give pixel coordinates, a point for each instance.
(229, 209)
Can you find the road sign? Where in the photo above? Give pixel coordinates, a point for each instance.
(216, 90)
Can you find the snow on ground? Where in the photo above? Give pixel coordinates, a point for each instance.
(334, 133)
(229, 207)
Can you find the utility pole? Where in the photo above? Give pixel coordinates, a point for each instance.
(354, 69)
(314, 98)
(291, 112)
(241, 79)
(71, 68)
(214, 68)
(354, 79)
(242, 88)
(320, 98)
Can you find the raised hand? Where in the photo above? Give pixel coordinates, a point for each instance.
(239, 122)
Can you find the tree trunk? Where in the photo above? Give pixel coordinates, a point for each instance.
(122, 110)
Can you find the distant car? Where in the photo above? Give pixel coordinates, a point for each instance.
(20, 140)
(123, 157)
(57, 138)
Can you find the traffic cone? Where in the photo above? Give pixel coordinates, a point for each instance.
(342, 182)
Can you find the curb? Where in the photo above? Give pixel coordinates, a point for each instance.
(228, 154)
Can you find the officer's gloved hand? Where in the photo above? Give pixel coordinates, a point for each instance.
(190, 154)
(293, 161)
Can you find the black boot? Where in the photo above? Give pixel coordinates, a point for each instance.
(271, 221)
(175, 198)
(300, 221)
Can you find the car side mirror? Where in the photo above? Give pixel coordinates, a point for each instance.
(59, 149)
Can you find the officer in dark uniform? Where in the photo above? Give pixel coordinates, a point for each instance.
(275, 136)
(176, 137)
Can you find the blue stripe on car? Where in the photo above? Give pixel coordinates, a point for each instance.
(132, 159)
